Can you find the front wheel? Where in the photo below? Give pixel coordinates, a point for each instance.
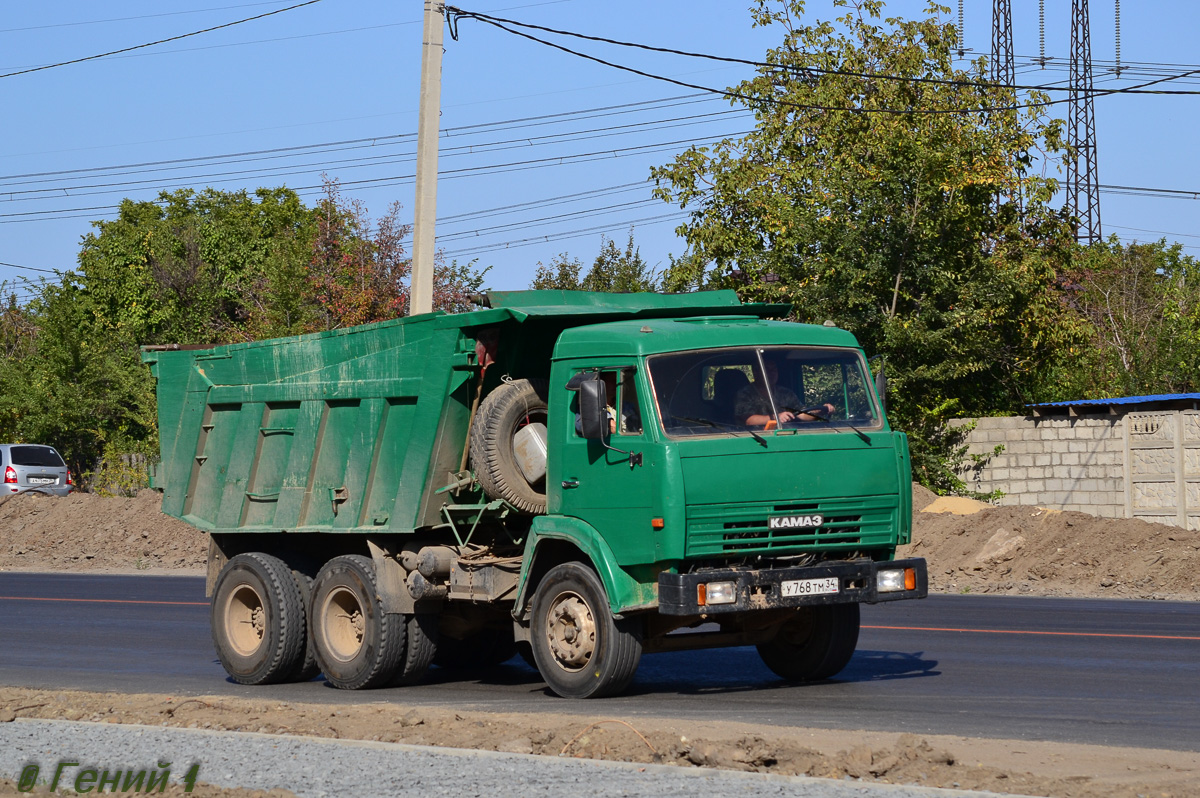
(816, 643)
(580, 649)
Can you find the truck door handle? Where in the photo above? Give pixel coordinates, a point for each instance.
(570, 483)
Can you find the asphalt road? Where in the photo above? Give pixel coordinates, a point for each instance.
(1069, 670)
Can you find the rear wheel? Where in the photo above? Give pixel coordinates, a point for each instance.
(258, 624)
(308, 668)
(580, 649)
(816, 643)
(420, 647)
(357, 645)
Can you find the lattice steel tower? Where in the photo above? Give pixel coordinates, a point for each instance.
(1003, 66)
(1083, 180)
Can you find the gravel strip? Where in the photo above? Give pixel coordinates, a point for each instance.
(315, 767)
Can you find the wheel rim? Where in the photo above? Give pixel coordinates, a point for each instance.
(344, 624)
(799, 630)
(571, 631)
(245, 620)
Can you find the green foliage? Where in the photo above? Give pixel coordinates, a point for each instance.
(561, 274)
(939, 451)
(1139, 305)
(194, 268)
(620, 272)
(122, 470)
(614, 270)
(887, 222)
(73, 383)
(190, 269)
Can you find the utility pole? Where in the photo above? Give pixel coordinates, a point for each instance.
(420, 298)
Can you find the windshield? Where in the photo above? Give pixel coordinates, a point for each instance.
(756, 389)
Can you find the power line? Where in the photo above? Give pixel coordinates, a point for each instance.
(1159, 232)
(804, 70)
(523, 242)
(482, 231)
(160, 41)
(140, 16)
(498, 125)
(28, 268)
(450, 174)
(1173, 193)
(618, 189)
(319, 34)
(356, 163)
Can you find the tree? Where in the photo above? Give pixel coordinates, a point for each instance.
(613, 270)
(561, 274)
(189, 268)
(204, 267)
(620, 272)
(72, 383)
(1141, 306)
(867, 194)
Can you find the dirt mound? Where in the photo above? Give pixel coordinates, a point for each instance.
(991, 550)
(1050, 553)
(1008, 766)
(922, 497)
(84, 531)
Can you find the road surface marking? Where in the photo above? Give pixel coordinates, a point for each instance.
(104, 601)
(1031, 632)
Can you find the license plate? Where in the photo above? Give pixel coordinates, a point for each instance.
(811, 587)
(42, 480)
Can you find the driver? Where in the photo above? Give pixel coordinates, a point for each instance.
(753, 404)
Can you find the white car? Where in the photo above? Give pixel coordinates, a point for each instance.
(32, 467)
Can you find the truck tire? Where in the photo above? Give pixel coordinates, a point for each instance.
(581, 650)
(258, 623)
(308, 668)
(483, 649)
(501, 415)
(815, 644)
(421, 646)
(358, 646)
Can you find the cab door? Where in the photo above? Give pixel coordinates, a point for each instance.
(612, 489)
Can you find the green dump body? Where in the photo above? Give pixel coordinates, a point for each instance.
(355, 430)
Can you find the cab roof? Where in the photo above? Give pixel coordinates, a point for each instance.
(653, 336)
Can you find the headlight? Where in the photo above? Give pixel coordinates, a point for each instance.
(716, 593)
(897, 579)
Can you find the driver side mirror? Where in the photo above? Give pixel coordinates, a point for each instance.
(593, 416)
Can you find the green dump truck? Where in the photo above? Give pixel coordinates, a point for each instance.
(583, 477)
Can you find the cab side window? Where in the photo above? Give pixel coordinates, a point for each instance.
(629, 419)
(624, 411)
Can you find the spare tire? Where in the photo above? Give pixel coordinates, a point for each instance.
(502, 415)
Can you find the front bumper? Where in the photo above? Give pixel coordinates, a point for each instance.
(762, 589)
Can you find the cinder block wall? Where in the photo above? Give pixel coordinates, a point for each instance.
(1058, 462)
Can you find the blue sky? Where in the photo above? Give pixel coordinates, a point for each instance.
(542, 152)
